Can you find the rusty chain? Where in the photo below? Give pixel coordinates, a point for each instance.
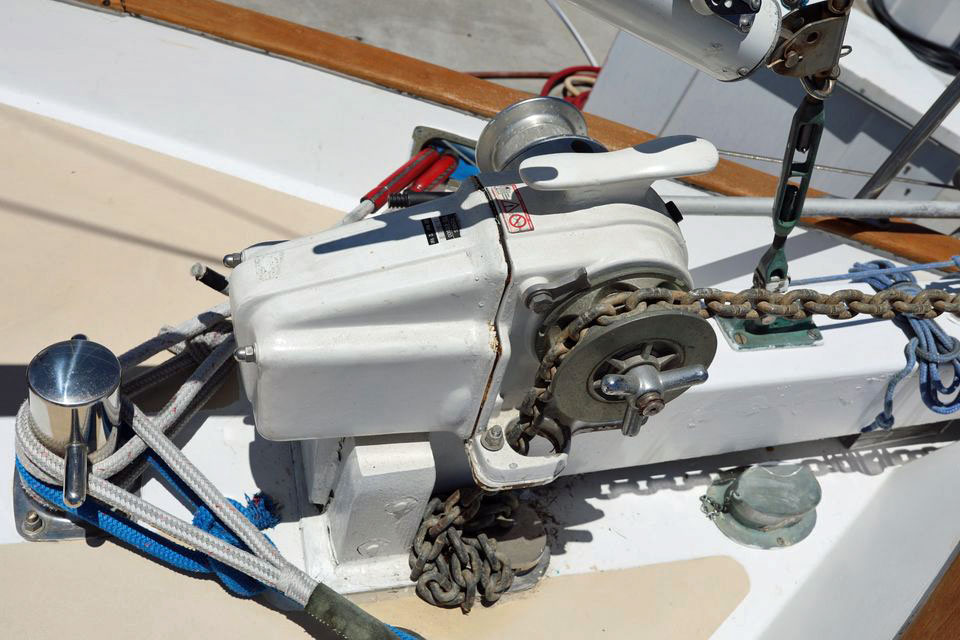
(451, 568)
(752, 304)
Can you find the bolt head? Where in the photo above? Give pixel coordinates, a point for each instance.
(492, 439)
(246, 354)
(540, 302)
(232, 260)
(740, 338)
(32, 522)
(792, 60)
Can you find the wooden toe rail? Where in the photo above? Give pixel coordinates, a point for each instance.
(461, 91)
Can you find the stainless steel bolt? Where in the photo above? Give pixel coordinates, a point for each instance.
(232, 260)
(755, 4)
(540, 302)
(32, 522)
(743, 72)
(492, 438)
(246, 354)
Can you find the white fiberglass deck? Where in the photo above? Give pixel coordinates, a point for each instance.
(139, 218)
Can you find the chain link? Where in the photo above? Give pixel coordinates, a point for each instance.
(450, 568)
(752, 304)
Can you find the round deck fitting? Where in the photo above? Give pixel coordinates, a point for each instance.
(766, 507)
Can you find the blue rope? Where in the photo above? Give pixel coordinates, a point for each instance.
(257, 510)
(877, 272)
(928, 345)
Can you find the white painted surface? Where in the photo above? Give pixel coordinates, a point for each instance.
(619, 518)
(707, 42)
(380, 498)
(884, 71)
(314, 135)
(663, 158)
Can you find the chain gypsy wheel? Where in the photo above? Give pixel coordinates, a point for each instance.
(666, 339)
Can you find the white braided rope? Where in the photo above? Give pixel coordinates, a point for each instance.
(265, 564)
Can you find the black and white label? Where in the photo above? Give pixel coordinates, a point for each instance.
(445, 227)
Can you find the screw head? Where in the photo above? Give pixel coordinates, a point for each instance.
(740, 338)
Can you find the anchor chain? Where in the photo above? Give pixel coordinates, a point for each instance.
(452, 568)
(751, 304)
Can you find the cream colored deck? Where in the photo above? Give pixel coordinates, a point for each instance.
(97, 236)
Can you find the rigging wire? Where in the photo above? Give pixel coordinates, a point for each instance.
(573, 31)
(831, 169)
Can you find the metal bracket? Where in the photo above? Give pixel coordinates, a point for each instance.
(423, 134)
(36, 523)
(752, 335)
(811, 41)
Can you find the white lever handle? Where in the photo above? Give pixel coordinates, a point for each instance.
(669, 157)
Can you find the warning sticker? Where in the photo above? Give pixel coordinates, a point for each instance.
(448, 224)
(506, 198)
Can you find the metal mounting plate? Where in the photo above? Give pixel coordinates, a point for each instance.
(751, 335)
(52, 526)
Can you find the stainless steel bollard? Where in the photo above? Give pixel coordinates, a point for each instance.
(74, 395)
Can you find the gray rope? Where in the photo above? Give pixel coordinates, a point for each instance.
(170, 337)
(264, 563)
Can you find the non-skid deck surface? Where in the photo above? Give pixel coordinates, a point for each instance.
(98, 236)
(73, 590)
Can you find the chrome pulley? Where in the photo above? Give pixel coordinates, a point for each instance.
(609, 362)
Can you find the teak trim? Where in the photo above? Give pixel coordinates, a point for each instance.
(461, 91)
